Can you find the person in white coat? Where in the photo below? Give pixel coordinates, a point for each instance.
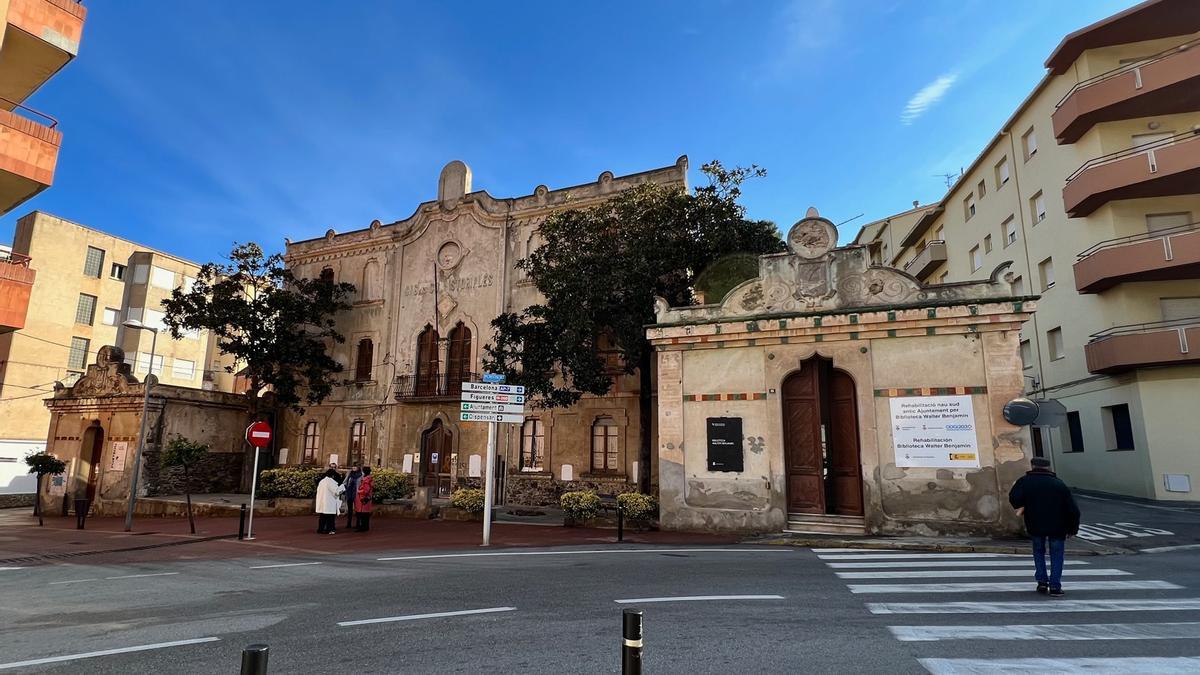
(329, 500)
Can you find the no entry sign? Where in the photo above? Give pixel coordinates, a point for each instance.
(259, 434)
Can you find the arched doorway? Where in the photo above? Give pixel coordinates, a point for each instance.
(92, 450)
(820, 438)
(435, 458)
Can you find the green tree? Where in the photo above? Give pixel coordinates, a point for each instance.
(599, 271)
(276, 326)
(42, 464)
(185, 454)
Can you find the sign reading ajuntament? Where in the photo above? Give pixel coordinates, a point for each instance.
(934, 432)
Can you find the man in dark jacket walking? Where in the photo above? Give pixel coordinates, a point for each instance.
(351, 484)
(1051, 515)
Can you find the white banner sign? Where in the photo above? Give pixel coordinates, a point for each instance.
(492, 408)
(494, 388)
(491, 417)
(934, 432)
(116, 460)
(492, 398)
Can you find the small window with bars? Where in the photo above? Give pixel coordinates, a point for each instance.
(85, 309)
(94, 262)
(77, 359)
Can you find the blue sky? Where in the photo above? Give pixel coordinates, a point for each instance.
(189, 125)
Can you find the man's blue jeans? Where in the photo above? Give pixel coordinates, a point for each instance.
(1057, 549)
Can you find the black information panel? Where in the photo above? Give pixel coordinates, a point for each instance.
(725, 444)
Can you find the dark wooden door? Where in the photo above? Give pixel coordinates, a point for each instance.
(458, 365)
(845, 471)
(427, 362)
(802, 440)
(96, 436)
(435, 458)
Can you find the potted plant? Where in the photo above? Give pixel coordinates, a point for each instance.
(468, 501)
(639, 509)
(579, 507)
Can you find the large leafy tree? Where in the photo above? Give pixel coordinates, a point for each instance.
(599, 271)
(276, 326)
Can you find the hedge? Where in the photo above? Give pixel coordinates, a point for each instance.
(296, 482)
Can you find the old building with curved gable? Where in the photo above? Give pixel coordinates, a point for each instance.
(429, 286)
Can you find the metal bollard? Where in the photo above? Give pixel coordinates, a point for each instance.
(620, 523)
(631, 643)
(254, 660)
(242, 523)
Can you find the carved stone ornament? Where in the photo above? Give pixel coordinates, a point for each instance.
(108, 376)
(812, 237)
(449, 255)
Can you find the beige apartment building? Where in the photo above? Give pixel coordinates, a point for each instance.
(88, 283)
(1091, 190)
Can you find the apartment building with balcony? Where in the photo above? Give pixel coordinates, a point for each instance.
(87, 284)
(1091, 190)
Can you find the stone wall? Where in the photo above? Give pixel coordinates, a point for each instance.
(16, 501)
(218, 473)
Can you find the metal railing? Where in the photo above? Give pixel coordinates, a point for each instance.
(52, 122)
(432, 385)
(1136, 238)
(1134, 151)
(13, 258)
(924, 248)
(1128, 68)
(1149, 327)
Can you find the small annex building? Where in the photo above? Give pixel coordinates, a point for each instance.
(94, 427)
(829, 394)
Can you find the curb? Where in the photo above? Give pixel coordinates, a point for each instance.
(75, 554)
(825, 542)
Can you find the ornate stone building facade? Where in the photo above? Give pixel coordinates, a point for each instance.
(428, 288)
(829, 394)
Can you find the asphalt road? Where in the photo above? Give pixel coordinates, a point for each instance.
(559, 613)
(1135, 525)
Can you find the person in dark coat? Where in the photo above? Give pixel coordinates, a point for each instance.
(1051, 515)
(351, 484)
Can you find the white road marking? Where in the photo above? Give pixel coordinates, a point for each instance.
(898, 564)
(958, 574)
(434, 615)
(140, 576)
(11, 568)
(1006, 587)
(690, 598)
(930, 556)
(1087, 631)
(72, 581)
(1167, 665)
(1166, 549)
(267, 567)
(1035, 607)
(597, 551)
(857, 550)
(106, 652)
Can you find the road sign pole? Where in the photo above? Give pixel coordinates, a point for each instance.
(253, 487)
(489, 487)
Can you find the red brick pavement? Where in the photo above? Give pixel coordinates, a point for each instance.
(105, 541)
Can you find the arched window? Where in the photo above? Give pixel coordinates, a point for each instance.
(533, 445)
(327, 274)
(358, 442)
(427, 362)
(366, 357)
(604, 445)
(312, 442)
(370, 282)
(458, 366)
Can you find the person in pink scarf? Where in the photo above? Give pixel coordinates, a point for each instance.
(362, 502)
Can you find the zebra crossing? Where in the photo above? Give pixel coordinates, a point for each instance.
(887, 578)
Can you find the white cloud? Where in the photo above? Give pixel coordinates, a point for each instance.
(803, 30)
(925, 99)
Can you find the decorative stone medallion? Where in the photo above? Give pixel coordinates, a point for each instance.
(812, 237)
(449, 255)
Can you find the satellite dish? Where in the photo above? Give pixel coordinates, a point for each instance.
(1021, 412)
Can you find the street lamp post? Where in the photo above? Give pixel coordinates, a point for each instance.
(134, 324)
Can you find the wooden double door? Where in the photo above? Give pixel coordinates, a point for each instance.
(820, 439)
(436, 446)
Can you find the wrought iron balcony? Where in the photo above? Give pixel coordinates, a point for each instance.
(432, 386)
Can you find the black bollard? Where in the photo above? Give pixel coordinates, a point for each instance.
(620, 523)
(242, 523)
(631, 643)
(254, 660)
